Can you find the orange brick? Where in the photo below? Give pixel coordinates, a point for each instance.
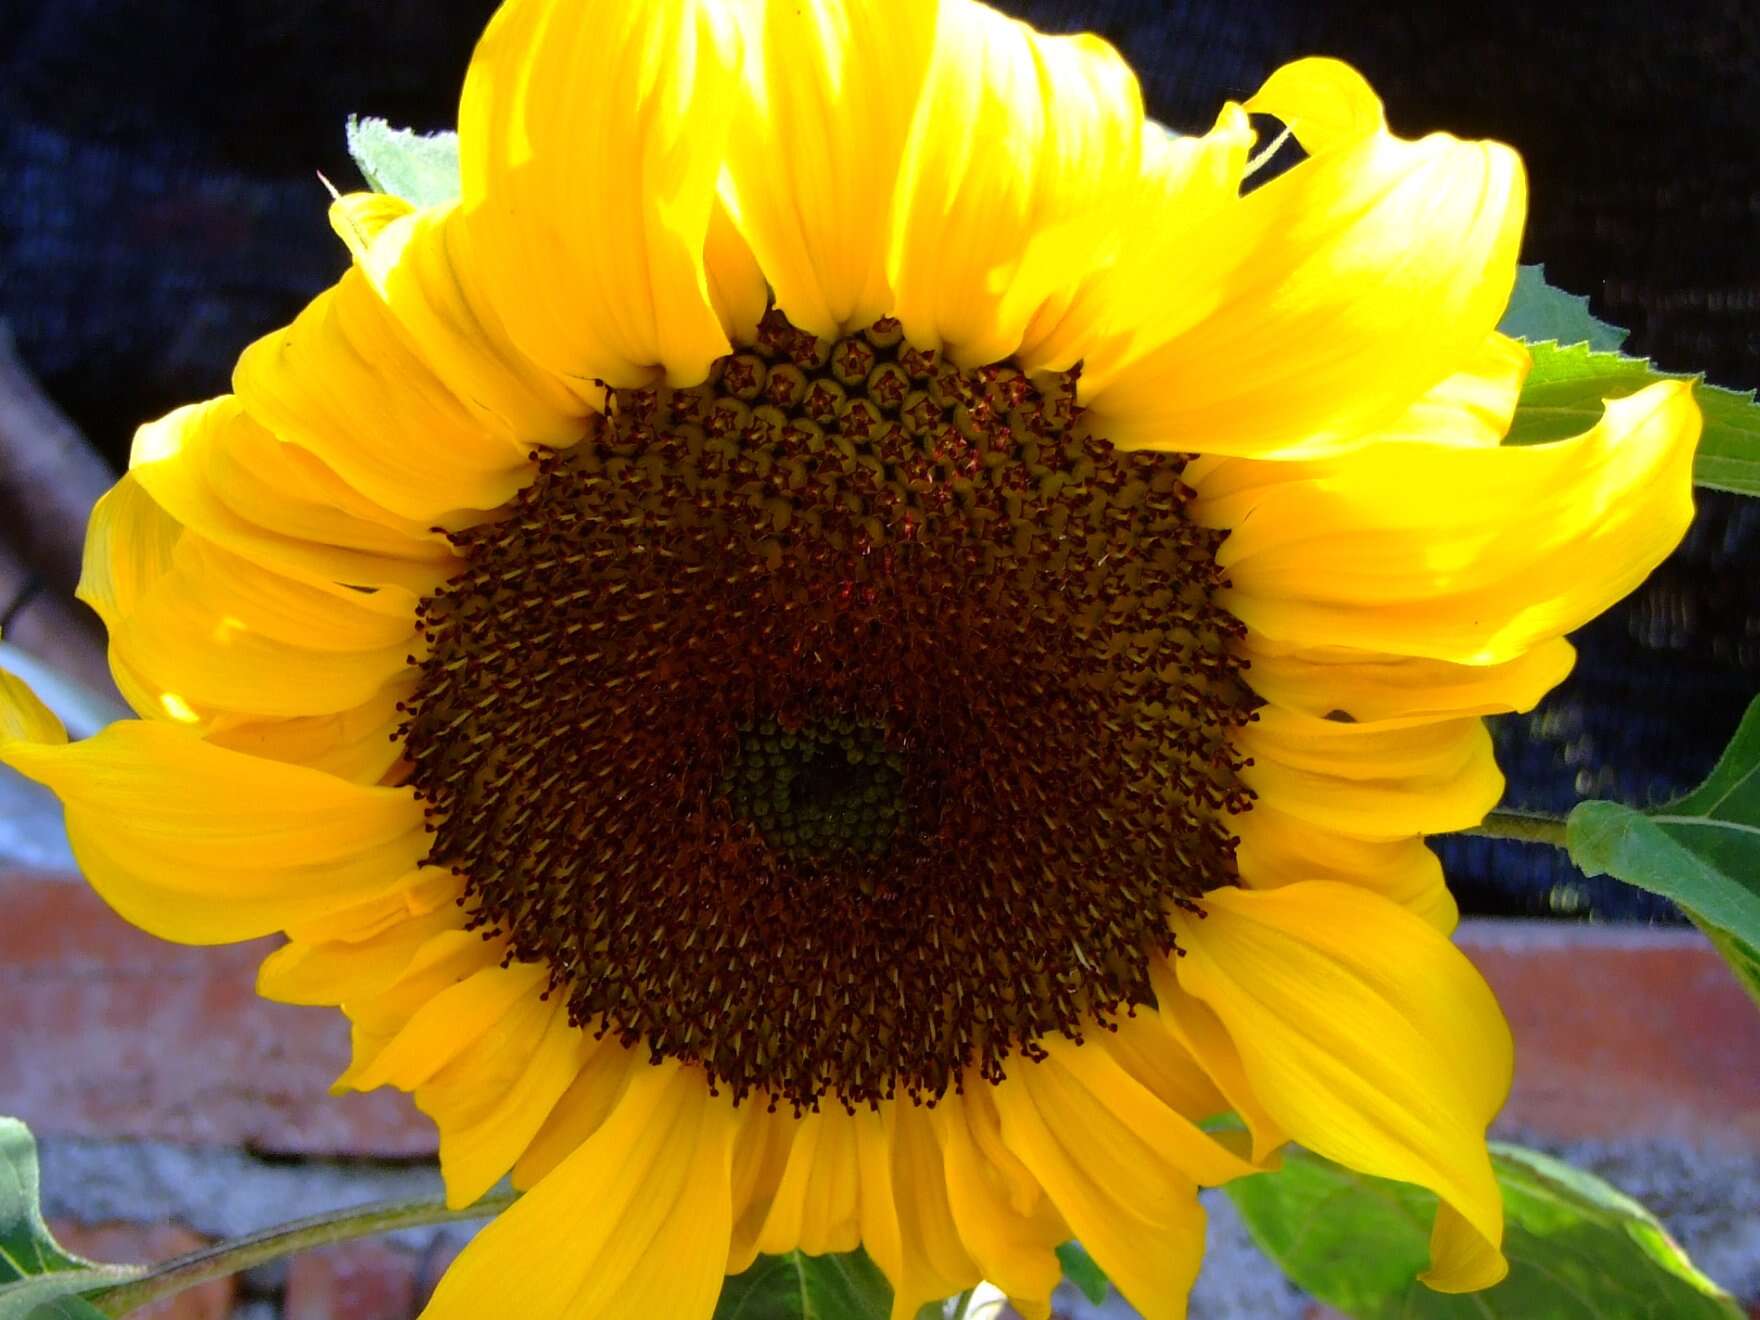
(149, 1244)
(1623, 1032)
(360, 1280)
(113, 1033)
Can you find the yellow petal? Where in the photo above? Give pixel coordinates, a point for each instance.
(489, 1102)
(1323, 102)
(341, 383)
(201, 845)
(1023, 150)
(1366, 686)
(224, 633)
(737, 289)
(1371, 1039)
(359, 218)
(315, 970)
(1199, 1034)
(24, 719)
(1278, 849)
(1475, 405)
(760, 1158)
(128, 549)
(1089, 1077)
(424, 272)
(933, 1263)
(598, 1088)
(1467, 555)
(1374, 781)
(129, 545)
(1135, 1213)
(634, 1223)
(380, 1008)
(1180, 179)
(423, 891)
(213, 640)
(826, 105)
(590, 141)
(1316, 309)
(1156, 1060)
(1014, 1246)
(882, 1238)
(817, 1203)
(213, 469)
(449, 1024)
(359, 744)
(1472, 408)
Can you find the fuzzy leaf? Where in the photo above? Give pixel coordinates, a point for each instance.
(421, 168)
(1576, 1246)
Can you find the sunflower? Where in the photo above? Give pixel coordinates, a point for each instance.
(855, 639)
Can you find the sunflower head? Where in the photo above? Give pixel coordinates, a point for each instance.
(766, 714)
(855, 639)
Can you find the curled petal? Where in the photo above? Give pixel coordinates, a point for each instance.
(1370, 1039)
(1467, 555)
(1314, 311)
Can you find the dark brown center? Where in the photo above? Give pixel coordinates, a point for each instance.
(841, 724)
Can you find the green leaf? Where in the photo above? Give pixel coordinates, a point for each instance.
(66, 1308)
(1702, 850)
(802, 1287)
(26, 1248)
(1079, 1268)
(1564, 393)
(35, 1273)
(1729, 450)
(421, 168)
(1537, 312)
(1576, 1246)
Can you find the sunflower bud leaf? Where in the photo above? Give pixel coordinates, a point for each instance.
(1702, 850)
(1568, 386)
(421, 168)
(1539, 312)
(797, 1286)
(1575, 1244)
(38, 1279)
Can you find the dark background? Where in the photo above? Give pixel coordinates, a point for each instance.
(159, 209)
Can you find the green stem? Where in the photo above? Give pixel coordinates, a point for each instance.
(225, 1258)
(1528, 826)
(963, 1304)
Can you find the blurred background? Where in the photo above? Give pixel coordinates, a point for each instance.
(161, 207)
